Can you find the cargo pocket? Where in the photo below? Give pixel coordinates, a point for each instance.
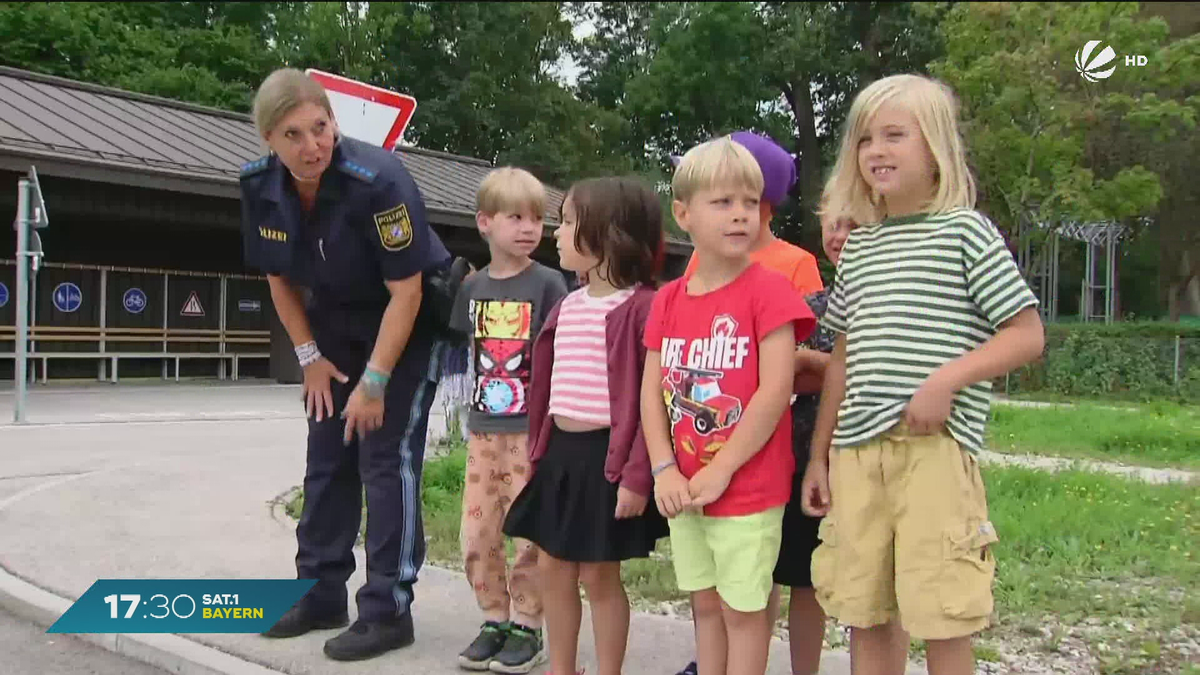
(968, 569)
(824, 564)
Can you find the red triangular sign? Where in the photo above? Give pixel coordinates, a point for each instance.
(192, 307)
(371, 114)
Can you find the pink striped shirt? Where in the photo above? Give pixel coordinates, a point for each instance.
(579, 379)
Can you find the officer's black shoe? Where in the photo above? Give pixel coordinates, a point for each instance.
(522, 651)
(479, 653)
(368, 639)
(298, 620)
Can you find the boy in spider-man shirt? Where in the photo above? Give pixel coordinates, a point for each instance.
(500, 309)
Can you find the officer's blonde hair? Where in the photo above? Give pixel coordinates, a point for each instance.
(282, 92)
(935, 108)
(512, 190)
(719, 162)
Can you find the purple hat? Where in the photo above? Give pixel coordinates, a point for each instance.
(777, 166)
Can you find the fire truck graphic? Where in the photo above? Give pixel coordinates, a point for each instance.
(697, 394)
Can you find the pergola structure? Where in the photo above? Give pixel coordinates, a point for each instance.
(1099, 295)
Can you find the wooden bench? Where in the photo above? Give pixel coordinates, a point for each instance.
(109, 360)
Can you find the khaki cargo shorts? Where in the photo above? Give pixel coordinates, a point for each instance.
(907, 537)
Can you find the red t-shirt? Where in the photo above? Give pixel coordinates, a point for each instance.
(708, 345)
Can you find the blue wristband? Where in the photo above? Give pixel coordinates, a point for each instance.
(376, 377)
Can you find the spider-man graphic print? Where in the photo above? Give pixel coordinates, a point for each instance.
(502, 356)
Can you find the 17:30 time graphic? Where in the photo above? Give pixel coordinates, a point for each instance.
(168, 605)
(181, 605)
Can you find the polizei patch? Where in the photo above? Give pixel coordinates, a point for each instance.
(395, 228)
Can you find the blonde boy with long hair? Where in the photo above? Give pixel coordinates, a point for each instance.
(929, 307)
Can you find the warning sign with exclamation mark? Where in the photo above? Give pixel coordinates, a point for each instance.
(192, 307)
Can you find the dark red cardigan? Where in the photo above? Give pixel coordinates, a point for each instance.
(628, 461)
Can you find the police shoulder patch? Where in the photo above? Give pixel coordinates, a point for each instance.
(257, 166)
(395, 228)
(357, 170)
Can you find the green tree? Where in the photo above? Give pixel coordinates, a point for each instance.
(1047, 146)
(480, 71)
(194, 52)
(695, 70)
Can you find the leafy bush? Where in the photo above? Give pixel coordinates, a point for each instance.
(1129, 329)
(1133, 360)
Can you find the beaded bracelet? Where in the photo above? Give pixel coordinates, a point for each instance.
(308, 354)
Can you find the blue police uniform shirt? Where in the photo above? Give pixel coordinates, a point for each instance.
(368, 225)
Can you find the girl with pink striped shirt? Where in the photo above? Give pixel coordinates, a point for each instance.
(588, 504)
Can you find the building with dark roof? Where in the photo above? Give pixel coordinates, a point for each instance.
(136, 183)
(110, 155)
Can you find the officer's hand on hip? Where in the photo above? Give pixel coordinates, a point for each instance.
(364, 410)
(318, 400)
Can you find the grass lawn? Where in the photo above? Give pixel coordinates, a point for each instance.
(1105, 561)
(1112, 560)
(1153, 434)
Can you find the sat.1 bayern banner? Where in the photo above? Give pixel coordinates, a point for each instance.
(181, 605)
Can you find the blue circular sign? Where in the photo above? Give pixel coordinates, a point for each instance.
(3, 294)
(134, 301)
(67, 297)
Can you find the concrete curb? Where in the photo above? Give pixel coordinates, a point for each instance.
(167, 651)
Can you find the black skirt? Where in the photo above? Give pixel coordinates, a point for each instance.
(567, 507)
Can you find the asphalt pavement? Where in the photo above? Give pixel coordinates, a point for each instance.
(184, 481)
(28, 650)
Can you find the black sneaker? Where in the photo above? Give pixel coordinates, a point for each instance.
(522, 651)
(690, 669)
(479, 654)
(368, 639)
(298, 620)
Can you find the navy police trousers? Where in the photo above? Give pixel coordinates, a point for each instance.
(388, 464)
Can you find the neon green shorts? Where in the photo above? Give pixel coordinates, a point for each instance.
(734, 554)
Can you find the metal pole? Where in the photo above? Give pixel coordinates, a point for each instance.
(1110, 278)
(24, 206)
(103, 321)
(1177, 339)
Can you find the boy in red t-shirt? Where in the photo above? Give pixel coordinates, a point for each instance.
(718, 379)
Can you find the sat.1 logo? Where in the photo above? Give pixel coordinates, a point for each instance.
(1092, 66)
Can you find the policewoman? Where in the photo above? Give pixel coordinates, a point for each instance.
(338, 226)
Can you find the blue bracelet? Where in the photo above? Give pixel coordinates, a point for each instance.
(661, 468)
(375, 376)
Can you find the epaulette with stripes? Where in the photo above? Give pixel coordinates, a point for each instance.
(359, 171)
(257, 166)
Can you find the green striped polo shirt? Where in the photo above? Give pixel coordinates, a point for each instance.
(910, 294)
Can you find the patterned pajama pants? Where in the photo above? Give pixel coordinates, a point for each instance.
(497, 470)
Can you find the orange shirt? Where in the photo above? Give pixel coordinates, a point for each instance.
(793, 262)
